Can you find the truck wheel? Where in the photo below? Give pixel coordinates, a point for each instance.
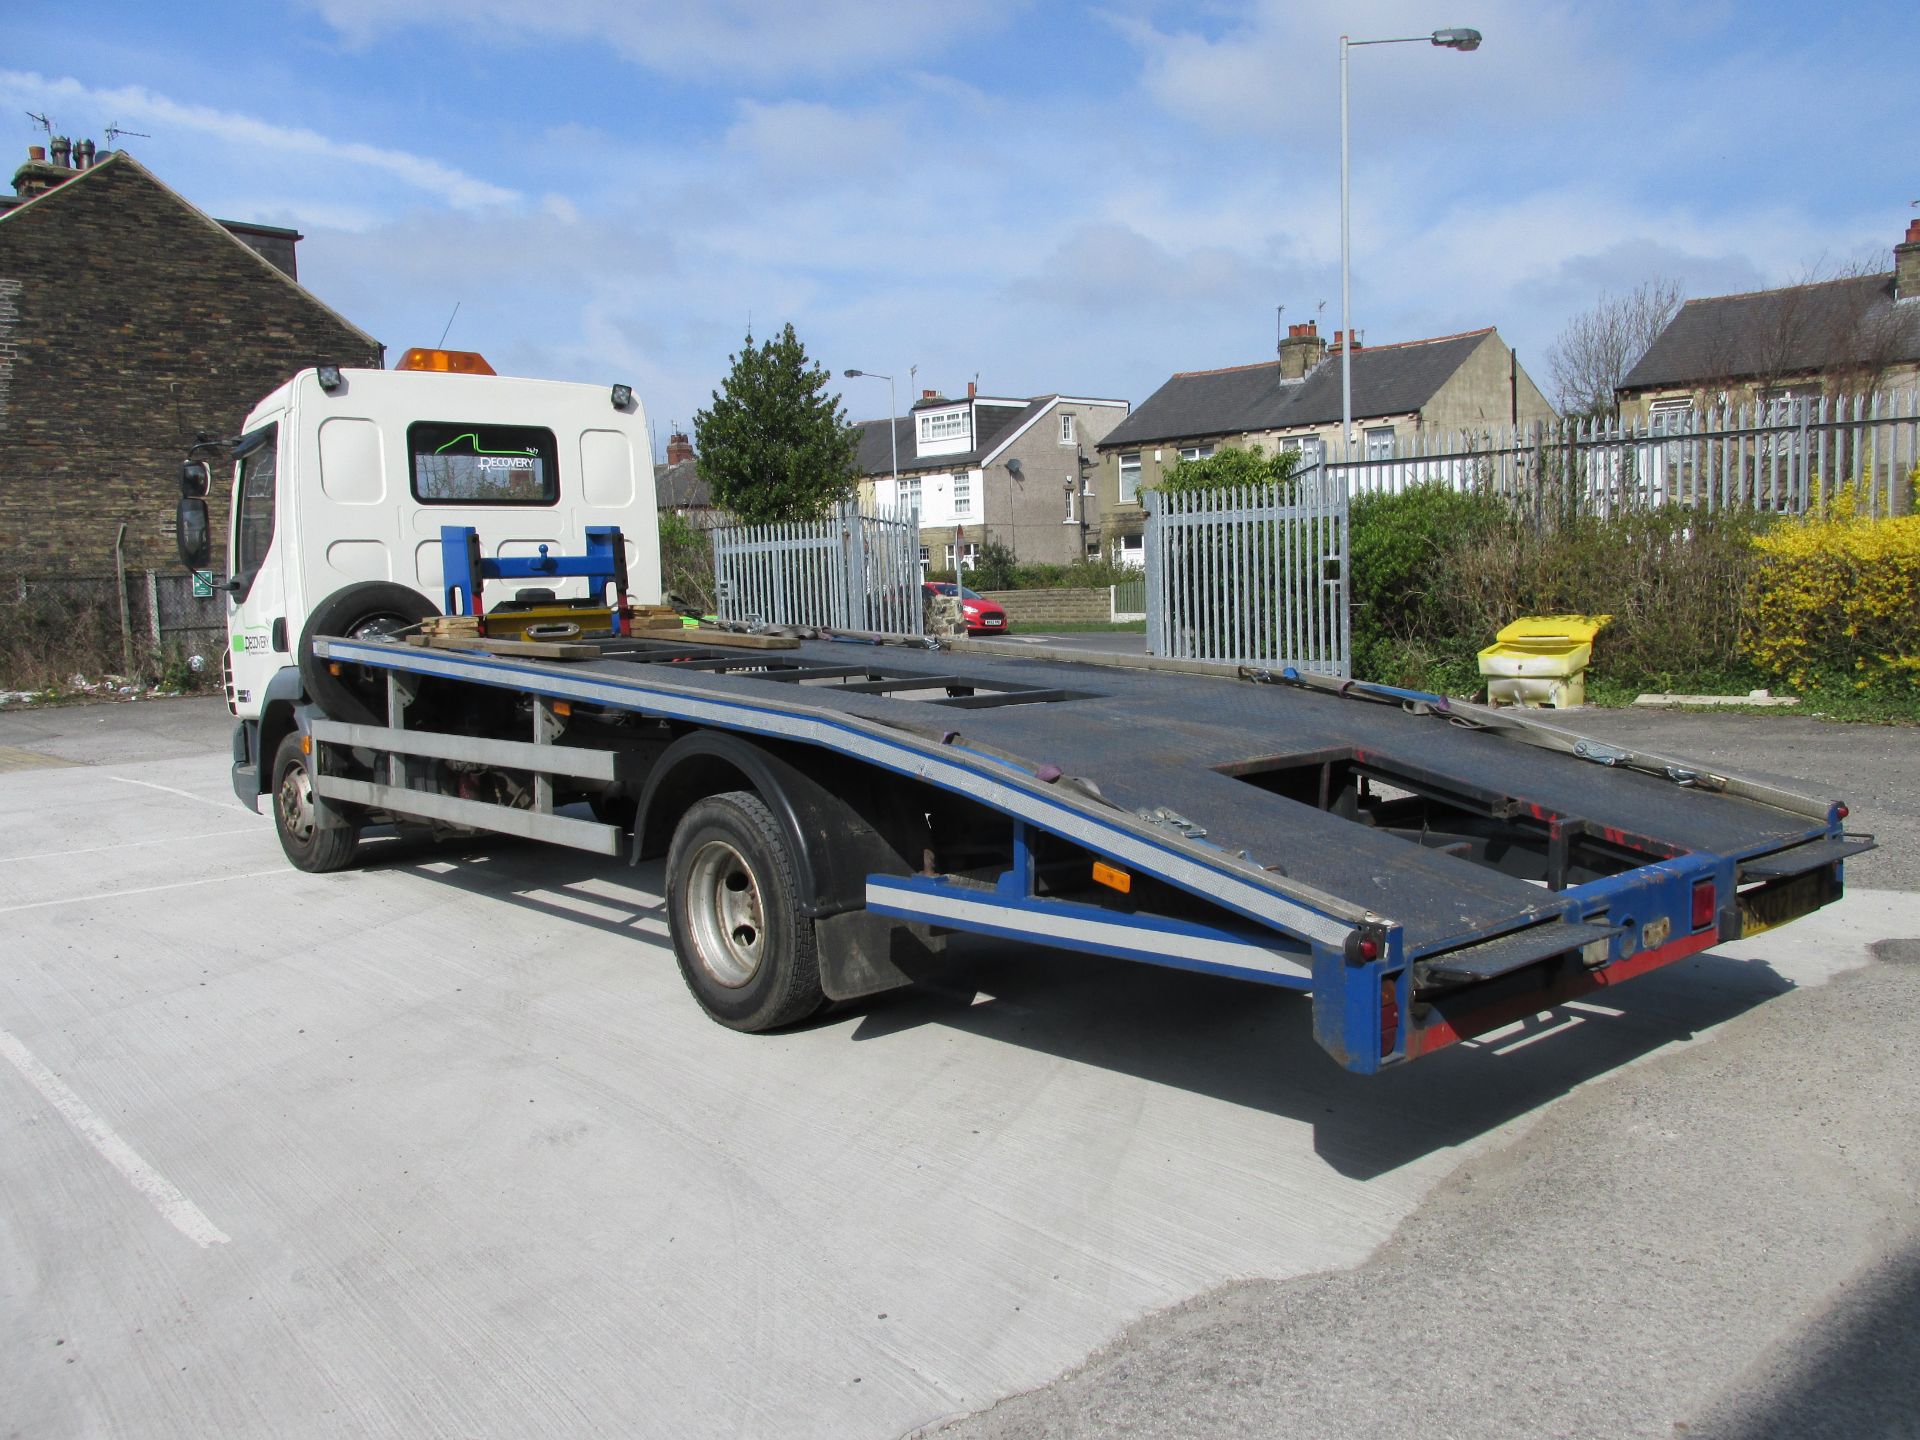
(368, 608)
(745, 950)
(307, 845)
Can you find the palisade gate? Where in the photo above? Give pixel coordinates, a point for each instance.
(1251, 576)
(854, 570)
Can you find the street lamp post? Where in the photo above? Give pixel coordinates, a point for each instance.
(893, 421)
(1450, 39)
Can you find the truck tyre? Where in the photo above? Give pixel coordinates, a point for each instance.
(308, 845)
(744, 949)
(362, 610)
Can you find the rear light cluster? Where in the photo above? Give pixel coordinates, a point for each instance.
(1704, 904)
(1389, 1014)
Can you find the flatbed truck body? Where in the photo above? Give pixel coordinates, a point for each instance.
(1426, 870)
(833, 807)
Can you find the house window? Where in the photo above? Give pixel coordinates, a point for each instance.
(963, 494)
(966, 554)
(910, 494)
(1066, 430)
(1130, 477)
(1133, 550)
(1311, 449)
(946, 425)
(1670, 415)
(1069, 498)
(1380, 443)
(926, 555)
(1196, 452)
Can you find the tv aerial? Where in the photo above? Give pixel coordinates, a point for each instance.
(116, 130)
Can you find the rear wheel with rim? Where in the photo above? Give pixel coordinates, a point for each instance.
(309, 845)
(744, 949)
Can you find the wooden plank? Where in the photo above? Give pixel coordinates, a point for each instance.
(532, 649)
(705, 636)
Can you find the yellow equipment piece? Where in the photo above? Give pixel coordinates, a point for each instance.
(1541, 660)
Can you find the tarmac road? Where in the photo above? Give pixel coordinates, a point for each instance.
(439, 1148)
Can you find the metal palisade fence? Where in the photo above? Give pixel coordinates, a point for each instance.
(1250, 576)
(1779, 455)
(854, 570)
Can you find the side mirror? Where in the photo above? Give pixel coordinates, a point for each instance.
(194, 531)
(194, 477)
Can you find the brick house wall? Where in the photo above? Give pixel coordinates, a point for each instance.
(128, 320)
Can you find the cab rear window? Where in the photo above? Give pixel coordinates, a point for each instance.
(458, 462)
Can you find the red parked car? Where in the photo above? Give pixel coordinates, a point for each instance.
(984, 617)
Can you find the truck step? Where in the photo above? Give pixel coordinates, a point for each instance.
(1506, 953)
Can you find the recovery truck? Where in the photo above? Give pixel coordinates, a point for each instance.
(831, 812)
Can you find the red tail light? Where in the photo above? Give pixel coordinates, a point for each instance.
(1703, 904)
(1389, 1015)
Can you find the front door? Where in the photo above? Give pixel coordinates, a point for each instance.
(257, 599)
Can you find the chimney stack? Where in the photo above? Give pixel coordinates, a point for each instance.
(1906, 264)
(970, 388)
(40, 174)
(679, 447)
(1340, 340)
(1301, 351)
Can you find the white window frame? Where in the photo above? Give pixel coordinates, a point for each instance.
(963, 493)
(1129, 466)
(1312, 449)
(1068, 491)
(941, 425)
(962, 555)
(1670, 413)
(1067, 435)
(1377, 443)
(1196, 452)
(909, 495)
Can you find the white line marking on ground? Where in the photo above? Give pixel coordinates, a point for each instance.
(183, 794)
(148, 889)
(176, 1209)
(128, 845)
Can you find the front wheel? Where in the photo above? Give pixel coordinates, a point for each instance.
(744, 949)
(310, 846)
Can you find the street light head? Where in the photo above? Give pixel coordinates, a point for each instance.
(853, 374)
(1457, 39)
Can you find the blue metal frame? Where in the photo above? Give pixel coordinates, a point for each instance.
(466, 571)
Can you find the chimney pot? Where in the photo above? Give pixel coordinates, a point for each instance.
(928, 394)
(1913, 232)
(62, 151)
(970, 385)
(679, 447)
(36, 152)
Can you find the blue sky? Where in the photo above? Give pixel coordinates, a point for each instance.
(1069, 197)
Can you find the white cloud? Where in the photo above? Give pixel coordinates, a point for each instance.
(727, 39)
(245, 133)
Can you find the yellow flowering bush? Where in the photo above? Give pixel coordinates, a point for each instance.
(1836, 601)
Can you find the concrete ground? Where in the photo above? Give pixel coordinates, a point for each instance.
(441, 1147)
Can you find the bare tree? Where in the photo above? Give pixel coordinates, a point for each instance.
(1599, 346)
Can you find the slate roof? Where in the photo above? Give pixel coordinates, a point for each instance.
(679, 487)
(1832, 325)
(1387, 380)
(995, 419)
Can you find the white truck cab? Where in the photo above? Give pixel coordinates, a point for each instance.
(343, 478)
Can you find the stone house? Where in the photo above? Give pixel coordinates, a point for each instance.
(1848, 336)
(1401, 392)
(983, 467)
(129, 319)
